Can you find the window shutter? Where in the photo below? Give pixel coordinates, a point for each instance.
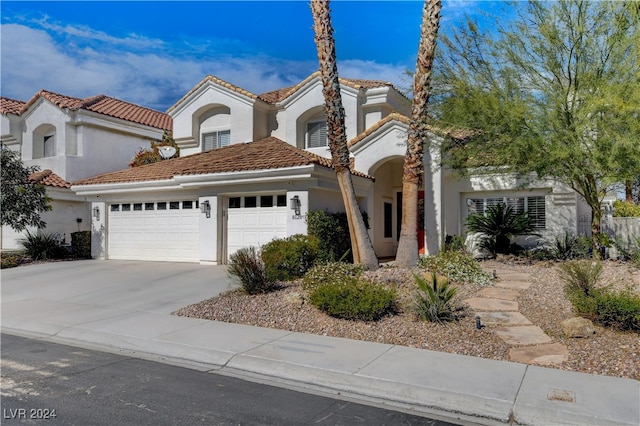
(224, 138)
(537, 211)
(209, 141)
(317, 134)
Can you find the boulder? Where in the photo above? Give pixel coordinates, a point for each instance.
(295, 299)
(577, 327)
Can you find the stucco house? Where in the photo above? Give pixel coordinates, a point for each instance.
(252, 166)
(69, 139)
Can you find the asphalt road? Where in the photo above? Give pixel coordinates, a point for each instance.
(45, 383)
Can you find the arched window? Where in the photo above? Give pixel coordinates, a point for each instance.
(44, 141)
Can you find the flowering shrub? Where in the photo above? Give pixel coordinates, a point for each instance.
(456, 266)
(332, 272)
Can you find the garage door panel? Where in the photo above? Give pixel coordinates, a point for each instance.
(170, 235)
(255, 226)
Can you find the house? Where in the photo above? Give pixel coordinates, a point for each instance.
(69, 139)
(252, 166)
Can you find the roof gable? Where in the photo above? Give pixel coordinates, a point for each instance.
(210, 79)
(100, 104)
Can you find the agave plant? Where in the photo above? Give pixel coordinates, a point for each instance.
(498, 225)
(434, 299)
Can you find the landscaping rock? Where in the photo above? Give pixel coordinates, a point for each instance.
(294, 298)
(577, 327)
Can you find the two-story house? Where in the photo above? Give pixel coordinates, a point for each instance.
(69, 139)
(252, 166)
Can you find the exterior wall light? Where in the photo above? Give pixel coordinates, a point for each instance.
(96, 212)
(296, 205)
(205, 207)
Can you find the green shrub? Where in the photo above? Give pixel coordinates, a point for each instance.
(625, 209)
(332, 232)
(454, 243)
(457, 266)
(498, 225)
(289, 258)
(247, 267)
(43, 246)
(580, 276)
(332, 272)
(81, 244)
(354, 299)
(434, 300)
(620, 310)
(631, 250)
(10, 260)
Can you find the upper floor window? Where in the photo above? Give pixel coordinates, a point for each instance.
(215, 140)
(49, 146)
(317, 134)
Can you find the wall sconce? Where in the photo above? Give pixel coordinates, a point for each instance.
(96, 212)
(295, 205)
(205, 207)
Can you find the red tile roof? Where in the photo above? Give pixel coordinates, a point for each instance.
(100, 104)
(264, 154)
(48, 178)
(215, 80)
(10, 106)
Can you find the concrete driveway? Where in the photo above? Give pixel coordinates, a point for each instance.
(60, 294)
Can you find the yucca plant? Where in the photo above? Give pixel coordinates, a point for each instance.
(498, 225)
(580, 276)
(434, 299)
(43, 246)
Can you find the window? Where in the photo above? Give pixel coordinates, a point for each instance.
(534, 205)
(49, 145)
(187, 204)
(126, 207)
(115, 207)
(317, 134)
(388, 220)
(234, 202)
(137, 207)
(162, 205)
(281, 201)
(216, 140)
(174, 205)
(266, 201)
(148, 206)
(250, 201)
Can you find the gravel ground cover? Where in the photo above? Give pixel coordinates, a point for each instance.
(608, 352)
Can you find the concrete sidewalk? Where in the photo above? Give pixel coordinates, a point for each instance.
(126, 306)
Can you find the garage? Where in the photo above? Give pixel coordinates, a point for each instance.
(254, 220)
(160, 230)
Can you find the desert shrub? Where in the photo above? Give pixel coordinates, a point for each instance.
(457, 266)
(332, 272)
(10, 260)
(434, 299)
(289, 258)
(498, 225)
(247, 267)
(580, 276)
(43, 246)
(454, 243)
(620, 310)
(354, 299)
(332, 232)
(630, 251)
(81, 244)
(625, 209)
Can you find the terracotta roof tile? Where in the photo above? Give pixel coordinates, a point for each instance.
(268, 153)
(105, 105)
(218, 81)
(48, 178)
(10, 106)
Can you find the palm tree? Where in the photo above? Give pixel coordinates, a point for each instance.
(407, 253)
(360, 242)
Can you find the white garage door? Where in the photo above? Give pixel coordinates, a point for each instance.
(165, 230)
(255, 220)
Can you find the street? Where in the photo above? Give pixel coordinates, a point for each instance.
(47, 383)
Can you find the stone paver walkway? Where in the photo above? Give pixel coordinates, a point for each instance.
(497, 306)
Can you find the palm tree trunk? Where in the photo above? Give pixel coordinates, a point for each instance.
(362, 248)
(407, 253)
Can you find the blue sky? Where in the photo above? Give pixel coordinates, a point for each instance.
(153, 52)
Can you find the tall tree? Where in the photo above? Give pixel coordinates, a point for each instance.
(407, 253)
(22, 199)
(555, 95)
(362, 248)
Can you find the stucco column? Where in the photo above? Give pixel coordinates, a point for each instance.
(296, 223)
(98, 230)
(208, 235)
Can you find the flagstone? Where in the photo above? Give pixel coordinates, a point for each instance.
(503, 318)
(522, 335)
(485, 304)
(548, 354)
(499, 293)
(515, 285)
